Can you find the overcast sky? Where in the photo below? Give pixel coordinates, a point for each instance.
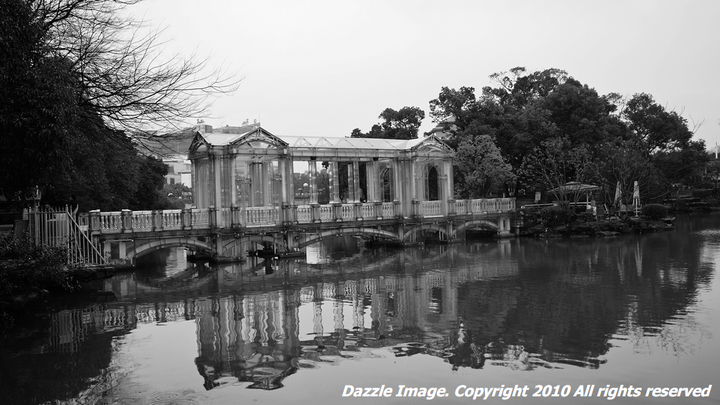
(327, 67)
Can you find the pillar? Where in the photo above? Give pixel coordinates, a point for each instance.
(396, 192)
(217, 191)
(413, 180)
(282, 166)
(450, 184)
(351, 183)
(356, 181)
(371, 176)
(334, 183)
(267, 183)
(233, 185)
(313, 180)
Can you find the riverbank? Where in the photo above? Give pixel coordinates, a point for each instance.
(599, 228)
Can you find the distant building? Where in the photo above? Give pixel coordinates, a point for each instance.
(172, 149)
(179, 170)
(444, 129)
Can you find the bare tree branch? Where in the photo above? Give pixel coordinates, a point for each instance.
(123, 72)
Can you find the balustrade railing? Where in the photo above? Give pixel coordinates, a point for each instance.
(430, 209)
(262, 216)
(326, 213)
(347, 212)
(304, 214)
(141, 220)
(367, 210)
(205, 218)
(199, 218)
(388, 210)
(111, 221)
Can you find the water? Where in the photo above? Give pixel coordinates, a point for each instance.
(557, 316)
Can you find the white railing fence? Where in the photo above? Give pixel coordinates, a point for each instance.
(57, 227)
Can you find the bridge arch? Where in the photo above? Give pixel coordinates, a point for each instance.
(154, 245)
(411, 234)
(313, 238)
(477, 223)
(231, 245)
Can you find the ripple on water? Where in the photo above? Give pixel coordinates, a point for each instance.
(137, 394)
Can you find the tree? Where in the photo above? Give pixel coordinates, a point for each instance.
(517, 89)
(659, 129)
(402, 124)
(39, 111)
(713, 171)
(619, 165)
(124, 75)
(70, 72)
(482, 166)
(458, 105)
(581, 114)
(684, 165)
(555, 163)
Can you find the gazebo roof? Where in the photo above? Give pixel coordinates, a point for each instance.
(575, 187)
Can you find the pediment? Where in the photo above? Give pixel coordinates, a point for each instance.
(432, 144)
(198, 146)
(258, 138)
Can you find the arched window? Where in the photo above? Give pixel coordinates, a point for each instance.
(431, 184)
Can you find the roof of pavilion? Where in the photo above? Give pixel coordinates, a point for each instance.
(253, 133)
(350, 143)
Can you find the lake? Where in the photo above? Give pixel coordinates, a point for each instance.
(631, 320)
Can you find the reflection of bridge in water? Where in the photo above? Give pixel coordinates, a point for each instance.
(260, 328)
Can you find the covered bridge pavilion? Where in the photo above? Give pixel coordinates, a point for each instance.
(249, 169)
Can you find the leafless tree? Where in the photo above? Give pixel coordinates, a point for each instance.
(123, 72)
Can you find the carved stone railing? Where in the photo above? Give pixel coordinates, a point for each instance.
(387, 210)
(259, 216)
(185, 219)
(430, 209)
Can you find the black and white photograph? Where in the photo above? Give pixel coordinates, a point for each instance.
(359, 202)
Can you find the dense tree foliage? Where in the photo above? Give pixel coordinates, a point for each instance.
(401, 124)
(552, 129)
(481, 167)
(73, 82)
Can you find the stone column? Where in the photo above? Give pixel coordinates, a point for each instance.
(351, 183)
(450, 184)
(282, 167)
(413, 180)
(233, 186)
(216, 178)
(371, 176)
(356, 181)
(334, 183)
(313, 181)
(268, 184)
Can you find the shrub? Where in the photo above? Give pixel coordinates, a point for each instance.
(27, 267)
(703, 193)
(586, 217)
(654, 211)
(557, 215)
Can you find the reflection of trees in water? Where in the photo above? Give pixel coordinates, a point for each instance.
(59, 357)
(518, 304)
(556, 306)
